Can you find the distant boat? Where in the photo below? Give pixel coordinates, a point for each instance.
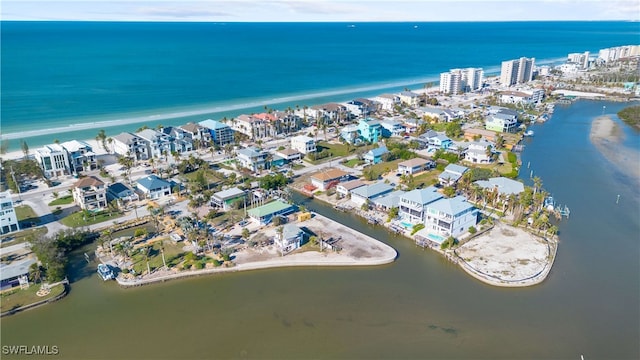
(105, 272)
(528, 133)
(351, 26)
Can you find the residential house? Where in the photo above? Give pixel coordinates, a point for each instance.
(152, 187)
(515, 97)
(473, 134)
(361, 107)
(502, 185)
(366, 194)
(252, 158)
(370, 130)
(120, 192)
(272, 124)
(53, 160)
(289, 239)
(388, 201)
(409, 98)
(158, 143)
(502, 120)
(392, 128)
(180, 140)
(435, 114)
(328, 178)
(450, 216)
(127, 144)
(80, 155)
(287, 122)
(374, 156)
(440, 142)
(479, 152)
(387, 102)
(350, 134)
(265, 213)
(344, 188)
(16, 273)
(330, 113)
(90, 193)
(8, 218)
(303, 144)
(226, 198)
(200, 133)
(414, 166)
(250, 125)
(289, 154)
(451, 174)
(413, 204)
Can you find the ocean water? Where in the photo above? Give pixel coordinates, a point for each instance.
(64, 80)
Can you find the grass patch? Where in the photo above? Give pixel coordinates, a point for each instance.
(62, 201)
(81, 219)
(337, 150)
(26, 214)
(425, 179)
(173, 254)
(353, 162)
(21, 236)
(15, 298)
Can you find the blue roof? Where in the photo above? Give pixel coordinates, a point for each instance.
(423, 196)
(152, 182)
(390, 200)
(456, 169)
(373, 190)
(378, 151)
(117, 187)
(213, 124)
(250, 152)
(452, 206)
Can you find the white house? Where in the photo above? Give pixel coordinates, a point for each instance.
(450, 217)
(345, 188)
(80, 154)
(451, 174)
(477, 152)
(226, 198)
(53, 160)
(387, 101)
(408, 97)
(413, 204)
(414, 166)
(252, 158)
(153, 187)
(502, 185)
(127, 144)
(362, 195)
(8, 218)
(327, 178)
(303, 144)
(90, 193)
(392, 128)
(158, 143)
(290, 238)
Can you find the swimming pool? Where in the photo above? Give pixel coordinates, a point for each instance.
(407, 225)
(437, 238)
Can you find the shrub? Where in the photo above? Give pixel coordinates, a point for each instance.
(416, 228)
(472, 230)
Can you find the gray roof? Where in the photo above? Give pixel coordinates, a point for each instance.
(451, 206)
(373, 190)
(379, 151)
(504, 185)
(117, 188)
(390, 200)
(125, 137)
(15, 269)
(456, 169)
(249, 152)
(290, 230)
(229, 193)
(423, 196)
(149, 134)
(152, 182)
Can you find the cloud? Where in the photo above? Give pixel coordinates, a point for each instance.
(181, 12)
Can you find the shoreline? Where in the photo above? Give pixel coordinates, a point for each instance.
(607, 136)
(353, 254)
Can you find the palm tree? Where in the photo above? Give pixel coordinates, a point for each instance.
(35, 272)
(162, 252)
(101, 138)
(110, 141)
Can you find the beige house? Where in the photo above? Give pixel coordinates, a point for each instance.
(90, 193)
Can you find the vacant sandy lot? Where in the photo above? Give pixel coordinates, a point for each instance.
(607, 136)
(507, 256)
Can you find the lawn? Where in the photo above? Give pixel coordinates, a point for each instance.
(353, 162)
(16, 298)
(210, 175)
(62, 201)
(22, 236)
(26, 214)
(338, 150)
(381, 168)
(79, 218)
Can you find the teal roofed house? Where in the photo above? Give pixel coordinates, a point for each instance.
(374, 156)
(370, 130)
(265, 213)
(153, 187)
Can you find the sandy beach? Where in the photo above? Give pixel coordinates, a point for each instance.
(607, 137)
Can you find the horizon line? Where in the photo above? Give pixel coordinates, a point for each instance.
(324, 21)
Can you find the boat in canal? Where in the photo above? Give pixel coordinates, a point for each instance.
(105, 272)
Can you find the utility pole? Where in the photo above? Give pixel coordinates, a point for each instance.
(13, 176)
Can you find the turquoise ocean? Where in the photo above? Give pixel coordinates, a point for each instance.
(66, 80)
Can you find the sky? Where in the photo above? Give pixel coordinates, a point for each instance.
(320, 10)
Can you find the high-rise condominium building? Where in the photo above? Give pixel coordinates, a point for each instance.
(516, 71)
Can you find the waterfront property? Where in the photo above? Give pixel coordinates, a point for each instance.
(220, 134)
(328, 178)
(128, 144)
(479, 152)
(120, 192)
(345, 188)
(16, 273)
(8, 218)
(450, 216)
(80, 154)
(504, 120)
(199, 133)
(451, 174)
(226, 198)
(289, 239)
(153, 187)
(473, 134)
(265, 213)
(365, 194)
(409, 98)
(412, 205)
(179, 140)
(414, 166)
(158, 143)
(374, 156)
(90, 193)
(502, 185)
(388, 201)
(387, 101)
(53, 160)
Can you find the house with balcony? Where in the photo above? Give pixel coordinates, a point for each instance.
(413, 204)
(289, 239)
(199, 133)
(90, 193)
(328, 178)
(152, 187)
(440, 142)
(303, 144)
(414, 166)
(121, 193)
(388, 201)
(502, 185)
(392, 128)
(450, 217)
(387, 101)
(479, 152)
(350, 134)
(53, 160)
(81, 156)
(374, 156)
(226, 198)
(253, 127)
(329, 113)
(180, 140)
(451, 174)
(366, 194)
(361, 107)
(409, 98)
(8, 218)
(502, 120)
(252, 158)
(220, 133)
(289, 154)
(128, 144)
(344, 189)
(370, 130)
(158, 143)
(264, 214)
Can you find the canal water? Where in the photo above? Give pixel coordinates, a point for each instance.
(419, 307)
